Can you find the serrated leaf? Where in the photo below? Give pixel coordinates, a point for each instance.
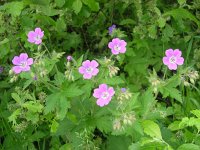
(174, 126)
(16, 97)
(64, 105)
(71, 90)
(77, 5)
(151, 129)
(196, 113)
(51, 102)
(33, 107)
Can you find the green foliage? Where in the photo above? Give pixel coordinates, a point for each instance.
(53, 107)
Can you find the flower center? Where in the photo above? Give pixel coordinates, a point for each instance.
(104, 95)
(89, 70)
(172, 59)
(23, 64)
(117, 47)
(37, 38)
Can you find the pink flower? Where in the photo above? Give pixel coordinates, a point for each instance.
(22, 63)
(103, 94)
(173, 58)
(36, 36)
(69, 58)
(117, 46)
(89, 69)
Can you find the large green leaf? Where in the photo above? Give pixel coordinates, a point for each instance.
(151, 129)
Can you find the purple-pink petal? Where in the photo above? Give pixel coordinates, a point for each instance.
(81, 70)
(95, 72)
(172, 66)
(166, 60)
(169, 52)
(180, 60)
(23, 56)
(94, 63)
(103, 87)
(177, 53)
(29, 61)
(97, 93)
(87, 76)
(16, 60)
(17, 69)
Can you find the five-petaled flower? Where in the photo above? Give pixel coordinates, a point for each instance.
(89, 69)
(103, 94)
(173, 58)
(36, 36)
(117, 46)
(22, 63)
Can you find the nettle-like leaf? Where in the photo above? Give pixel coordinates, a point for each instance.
(152, 129)
(169, 89)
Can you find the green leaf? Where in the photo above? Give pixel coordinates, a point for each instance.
(151, 129)
(60, 25)
(196, 112)
(54, 126)
(14, 8)
(51, 102)
(6, 40)
(16, 97)
(112, 81)
(92, 4)
(181, 2)
(63, 106)
(161, 22)
(182, 13)
(77, 5)
(189, 146)
(71, 90)
(33, 106)
(174, 126)
(60, 3)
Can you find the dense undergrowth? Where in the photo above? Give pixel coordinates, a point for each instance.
(99, 74)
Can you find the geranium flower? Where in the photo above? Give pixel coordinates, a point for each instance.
(89, 69)
(22, 63)
(117, 46)
(173, 58)
(36, 36)
(103, 94)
